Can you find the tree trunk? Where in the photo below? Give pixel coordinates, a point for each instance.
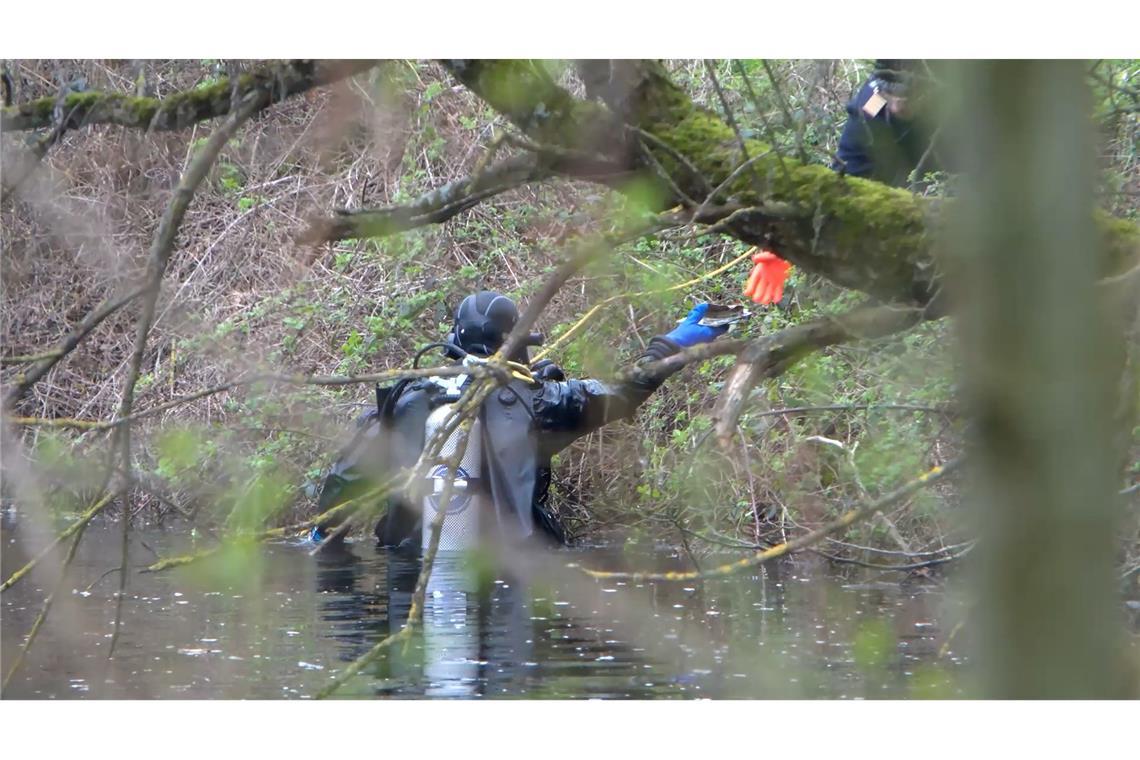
(1043, 361)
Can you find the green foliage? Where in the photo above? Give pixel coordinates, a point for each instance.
(481, 567)
(238, 564)
(932, 682)
(178, 451)
(231, 179)
(260, 499)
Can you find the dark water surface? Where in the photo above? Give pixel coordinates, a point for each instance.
(277, 623)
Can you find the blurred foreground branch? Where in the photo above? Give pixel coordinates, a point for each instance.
(160, 252)
(270, 83)
(1042, 384)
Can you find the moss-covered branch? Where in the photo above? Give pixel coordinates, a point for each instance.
(182, 109)
(857, 233)
(525, 93)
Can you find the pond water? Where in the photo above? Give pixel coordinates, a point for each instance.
(275, 623)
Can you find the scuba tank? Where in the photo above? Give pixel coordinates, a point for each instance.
(461, 523)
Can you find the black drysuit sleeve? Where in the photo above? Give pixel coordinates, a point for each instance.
(570, 409)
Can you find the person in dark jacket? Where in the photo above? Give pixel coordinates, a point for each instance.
(520, 427)
(886, 137)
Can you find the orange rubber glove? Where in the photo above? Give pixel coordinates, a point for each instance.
(766, 283)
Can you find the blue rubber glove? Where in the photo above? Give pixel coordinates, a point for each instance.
(689, 333)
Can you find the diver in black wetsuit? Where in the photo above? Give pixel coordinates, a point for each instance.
(506, 472)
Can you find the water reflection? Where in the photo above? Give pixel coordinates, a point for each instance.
(283, 623)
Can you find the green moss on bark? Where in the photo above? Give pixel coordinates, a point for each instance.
(525, 94)
(857, 233)
(182, 109)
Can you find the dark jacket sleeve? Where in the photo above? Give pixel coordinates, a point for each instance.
(854, 142)
(572, 408)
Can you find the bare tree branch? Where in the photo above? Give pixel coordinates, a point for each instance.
(774, 353)
(160, 252)
(447, 201)
(434, 207)
(47, 360)
(269, 378)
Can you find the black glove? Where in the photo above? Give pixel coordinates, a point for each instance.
(546, 370)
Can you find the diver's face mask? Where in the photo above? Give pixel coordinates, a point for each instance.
(478, 340)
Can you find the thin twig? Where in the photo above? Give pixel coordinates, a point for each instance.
(160, 252)
(763, 120)
(791, 123)
(586, 251)
(68, 344)
(915, 566)
(319, 380)
(731, 119)
(891, 552)
(664, 174)
(686, 162)
(728, 181)
(856, 407)
(796, 544)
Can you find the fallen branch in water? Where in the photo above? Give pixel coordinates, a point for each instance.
(168, 563)
(796, 544)
(36, 626)
(75, 527)
(913, 566)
